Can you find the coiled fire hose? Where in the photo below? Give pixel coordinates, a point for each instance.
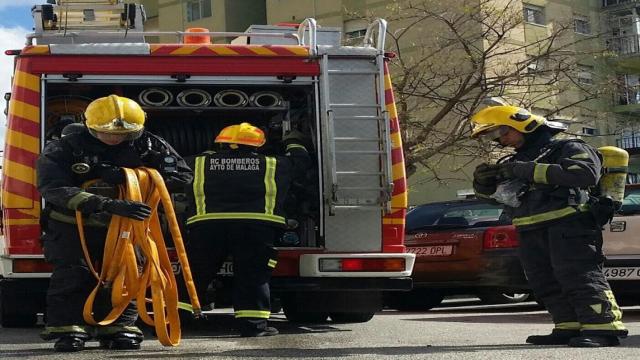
(120, 270)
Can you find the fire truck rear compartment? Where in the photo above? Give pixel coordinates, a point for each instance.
(189, 117)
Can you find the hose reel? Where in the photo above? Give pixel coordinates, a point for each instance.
(155, 97)
(231, 98)
(193, 98)
(265, 99)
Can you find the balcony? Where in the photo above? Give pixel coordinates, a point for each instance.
(624, 45)
(630, 141)
(627, 101)
(608, 4)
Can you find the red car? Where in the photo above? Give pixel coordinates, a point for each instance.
(461, 247)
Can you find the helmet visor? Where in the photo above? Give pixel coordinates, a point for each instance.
(115, 138)
(494, 133)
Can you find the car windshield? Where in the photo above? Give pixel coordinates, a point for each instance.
(631, 202)
(455, 215)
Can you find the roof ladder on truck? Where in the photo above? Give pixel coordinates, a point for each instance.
(356, 126)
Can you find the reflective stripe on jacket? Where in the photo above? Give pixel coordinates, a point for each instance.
(241, 185)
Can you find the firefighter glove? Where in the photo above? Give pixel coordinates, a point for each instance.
(111, 174)
(293, 137)
(516, 170)
(129, 209)
(484, 190)
(486, 174)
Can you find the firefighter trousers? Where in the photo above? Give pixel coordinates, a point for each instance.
(71, 281)
(563, 263)
(250, 244)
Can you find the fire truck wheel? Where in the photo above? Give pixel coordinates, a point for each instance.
(14, 312)
(414, 300)
(357, 317)
(304, 317)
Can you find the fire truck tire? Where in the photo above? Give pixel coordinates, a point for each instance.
(356, 317)
(14, 312)
(414, 300)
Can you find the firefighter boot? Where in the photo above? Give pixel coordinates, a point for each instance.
(598, 338)
(557, 337)
(267, 331)
(122, 341)
(70, 343)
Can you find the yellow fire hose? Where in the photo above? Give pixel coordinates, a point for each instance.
(120, 266)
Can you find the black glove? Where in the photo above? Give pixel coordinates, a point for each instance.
(111, 174)
(486, 174)
(486, 190)
(129, 209)
(516, 170)
(293, 137)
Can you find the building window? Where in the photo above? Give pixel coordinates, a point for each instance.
(582, 25)
(589, 131)
(585, 74)
(534, 14)
(198, 9)
(354, 31)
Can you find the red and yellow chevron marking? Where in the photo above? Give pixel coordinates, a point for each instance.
(20, 198)
(393, 223)
(36, 50)
(228, 50)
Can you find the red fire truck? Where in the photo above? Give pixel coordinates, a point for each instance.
(345, 245)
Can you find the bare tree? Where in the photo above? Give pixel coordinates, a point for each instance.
(450, 55)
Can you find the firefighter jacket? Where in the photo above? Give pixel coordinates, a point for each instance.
(60, 182)
(557, 175)
(243, 185)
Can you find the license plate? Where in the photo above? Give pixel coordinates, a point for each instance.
(436, 250)
(622, 273)
(226, 268)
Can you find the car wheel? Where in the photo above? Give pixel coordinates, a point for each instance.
(503, 298)
(357, 317)
(415, 300)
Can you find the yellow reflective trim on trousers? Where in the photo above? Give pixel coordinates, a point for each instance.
(198, 186)
(270, 188)
(549, 215)
(272, 263)
(81, 329)
(236, 216)
(570, 325)
(261, 314)
(615, 309)
(185, 306)
(614, 325)
(540, 173)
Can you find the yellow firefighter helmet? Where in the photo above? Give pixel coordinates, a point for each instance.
(241, 134)
(493, 117)
(115, 114)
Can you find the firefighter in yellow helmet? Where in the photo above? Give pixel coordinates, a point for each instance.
(111, 138)
(545, 186)
(236, 207)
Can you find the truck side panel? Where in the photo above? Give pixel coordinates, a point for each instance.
(20, 199)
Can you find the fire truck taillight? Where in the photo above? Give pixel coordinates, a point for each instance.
(362, 264)
(31, 266)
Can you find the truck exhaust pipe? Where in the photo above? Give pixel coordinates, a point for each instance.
(231, 98)
(265, 99)
(193, 98)
(155, 97)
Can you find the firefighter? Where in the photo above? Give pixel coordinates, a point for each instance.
(560, 235)
(112, 137)
(236, 207)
